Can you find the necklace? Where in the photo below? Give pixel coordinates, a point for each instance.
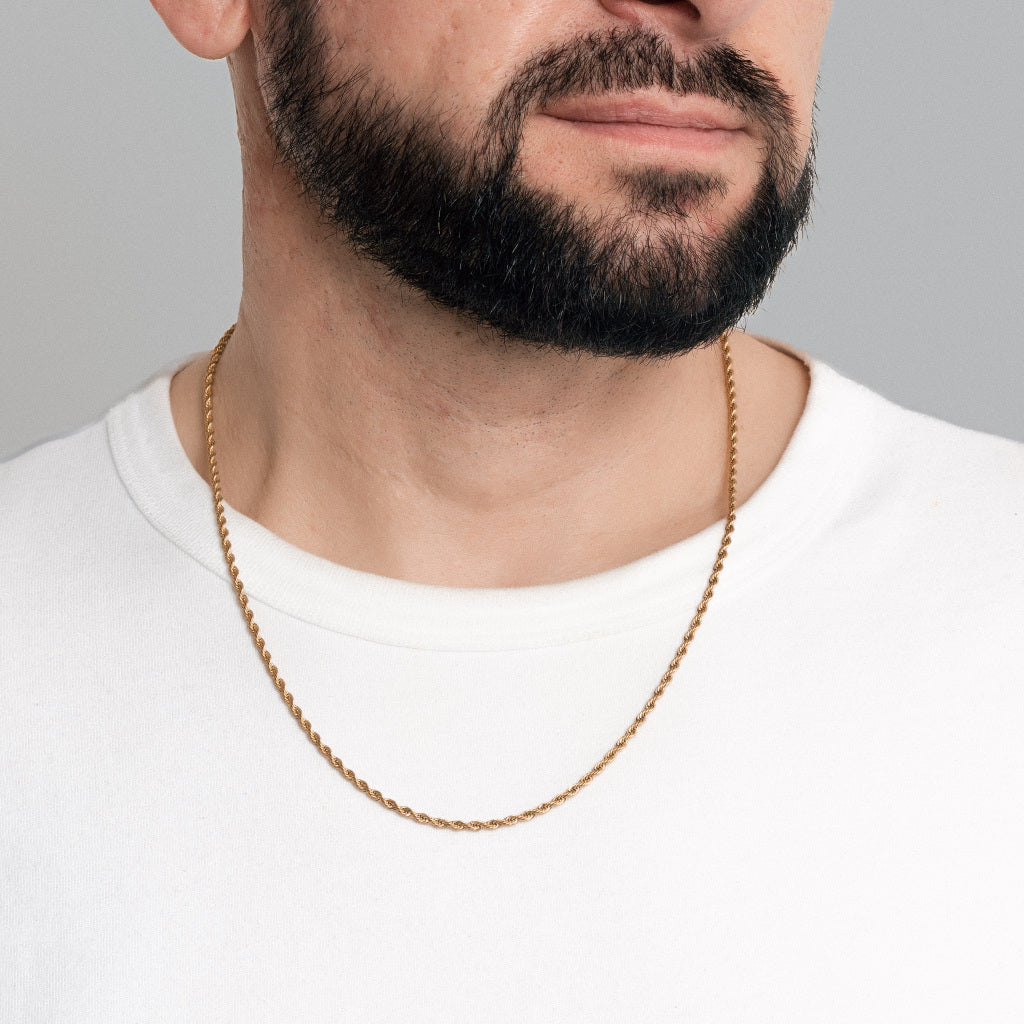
(314, 737)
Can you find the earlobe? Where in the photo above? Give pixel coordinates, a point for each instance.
(208, 28)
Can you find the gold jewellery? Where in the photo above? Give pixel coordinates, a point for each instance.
(336, 762)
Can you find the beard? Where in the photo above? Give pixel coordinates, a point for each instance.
(455, 219)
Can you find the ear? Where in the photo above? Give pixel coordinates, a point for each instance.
(207, 28)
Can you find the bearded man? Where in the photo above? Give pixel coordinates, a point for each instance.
(639, 668)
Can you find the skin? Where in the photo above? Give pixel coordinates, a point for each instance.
(363, 424)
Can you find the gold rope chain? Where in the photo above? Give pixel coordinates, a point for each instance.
(335, 761)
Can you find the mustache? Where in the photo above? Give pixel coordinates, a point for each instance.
(635, 58)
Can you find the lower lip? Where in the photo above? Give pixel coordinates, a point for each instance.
(638, 133)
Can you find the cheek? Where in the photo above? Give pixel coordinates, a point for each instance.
(786, 40)
(448, 55)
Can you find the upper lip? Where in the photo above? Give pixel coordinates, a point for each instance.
(693, 111)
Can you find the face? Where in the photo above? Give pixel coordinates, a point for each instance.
(607, 176)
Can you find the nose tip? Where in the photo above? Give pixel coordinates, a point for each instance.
(694, 20)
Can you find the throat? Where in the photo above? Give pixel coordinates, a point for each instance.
(467, 490)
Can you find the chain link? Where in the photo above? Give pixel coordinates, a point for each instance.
(314, 737)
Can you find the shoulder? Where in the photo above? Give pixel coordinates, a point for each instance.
(902, 461)
(56, 477)
(905, 453)
(57, 501)
(931, 465)
(66, 507)
(932, 511)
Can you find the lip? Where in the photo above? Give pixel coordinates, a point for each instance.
(686, 113)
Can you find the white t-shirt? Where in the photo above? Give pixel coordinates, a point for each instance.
(821, 821)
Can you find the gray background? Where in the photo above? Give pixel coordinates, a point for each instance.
(120, 211)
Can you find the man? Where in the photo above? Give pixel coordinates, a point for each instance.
(477, 432)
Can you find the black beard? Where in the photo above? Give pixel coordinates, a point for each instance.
(461, 225)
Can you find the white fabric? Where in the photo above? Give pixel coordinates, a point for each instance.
(821, 820)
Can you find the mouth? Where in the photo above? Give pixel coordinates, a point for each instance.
(691, 122)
